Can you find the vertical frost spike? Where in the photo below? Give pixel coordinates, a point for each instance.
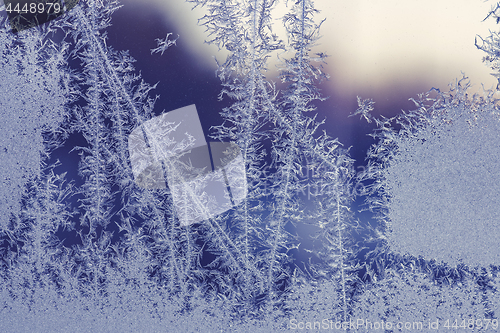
(147, 172)
(227, 158)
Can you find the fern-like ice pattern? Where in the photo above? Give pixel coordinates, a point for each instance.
(173, 231)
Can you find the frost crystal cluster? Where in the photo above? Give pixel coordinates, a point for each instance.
(440, 176)
(159, 227)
